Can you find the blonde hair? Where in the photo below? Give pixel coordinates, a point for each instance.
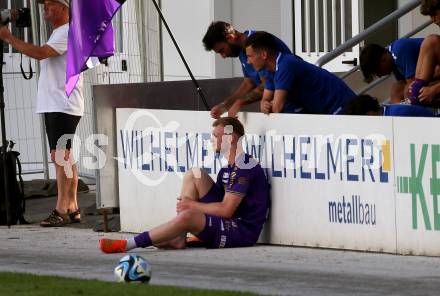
(237, 127)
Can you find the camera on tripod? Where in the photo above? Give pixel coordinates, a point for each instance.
(21, 17)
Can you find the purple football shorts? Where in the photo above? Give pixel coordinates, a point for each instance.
(221, 232)
(416, 86)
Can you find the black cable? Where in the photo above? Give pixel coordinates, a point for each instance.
(199, 89)
(31, 72)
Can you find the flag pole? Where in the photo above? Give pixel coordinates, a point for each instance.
(199, 89)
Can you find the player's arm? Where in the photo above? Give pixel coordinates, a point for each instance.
(251, 97)
(397, 91)
(224, 209)
(266, 101)
(256, 94)
(279, 99)
(245, 87)
(429, 93)
(29, 49)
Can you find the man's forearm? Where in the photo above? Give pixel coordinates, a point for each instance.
(213, 208)
(237, 95)
(245, 87)
(229, 101)
(28, 49)
(254, 96)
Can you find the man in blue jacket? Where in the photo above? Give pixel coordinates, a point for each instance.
(400, 58)
(295, 81)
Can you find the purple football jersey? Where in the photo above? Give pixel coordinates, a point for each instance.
(247, 177)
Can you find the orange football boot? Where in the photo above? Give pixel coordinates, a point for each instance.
(110, 246)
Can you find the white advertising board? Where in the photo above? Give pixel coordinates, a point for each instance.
(417, 158)
(331, 177)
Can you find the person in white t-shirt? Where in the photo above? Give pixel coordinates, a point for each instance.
(61, 113)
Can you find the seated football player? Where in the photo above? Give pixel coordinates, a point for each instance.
(227, 213)
(399, 58)
(425, 89)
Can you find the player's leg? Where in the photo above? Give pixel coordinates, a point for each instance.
(196, 184)
(169, 232)
(429, 58)
(199, 186)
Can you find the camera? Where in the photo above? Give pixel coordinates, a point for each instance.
(21, 17)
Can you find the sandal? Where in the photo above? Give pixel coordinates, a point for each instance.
(75, 217)
(55, 219)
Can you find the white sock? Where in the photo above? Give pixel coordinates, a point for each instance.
(131, 244)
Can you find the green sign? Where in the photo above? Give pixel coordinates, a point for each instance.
(414, 186)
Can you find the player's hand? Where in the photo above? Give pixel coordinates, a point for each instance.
(4, 32)
(427, 94)
(235, 108)
(183, 203)
(266, 107)
(218, 110)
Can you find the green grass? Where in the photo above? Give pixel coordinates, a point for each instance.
(15, 284)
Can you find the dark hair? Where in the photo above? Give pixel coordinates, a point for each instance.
(361, 105)
(370, 59)
(237, 127)
(262, 40)
(429, 7)
(216, 33)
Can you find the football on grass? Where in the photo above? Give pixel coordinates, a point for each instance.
(133, 268)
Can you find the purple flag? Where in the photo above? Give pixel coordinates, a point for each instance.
(90, 36)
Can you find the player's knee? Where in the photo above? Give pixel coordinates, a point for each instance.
(189, 176)
(198, 174)
(194, 175)
(185, 218)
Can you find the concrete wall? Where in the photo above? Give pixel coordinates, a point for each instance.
(413, 20)
(276, 18)
(188, 21)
